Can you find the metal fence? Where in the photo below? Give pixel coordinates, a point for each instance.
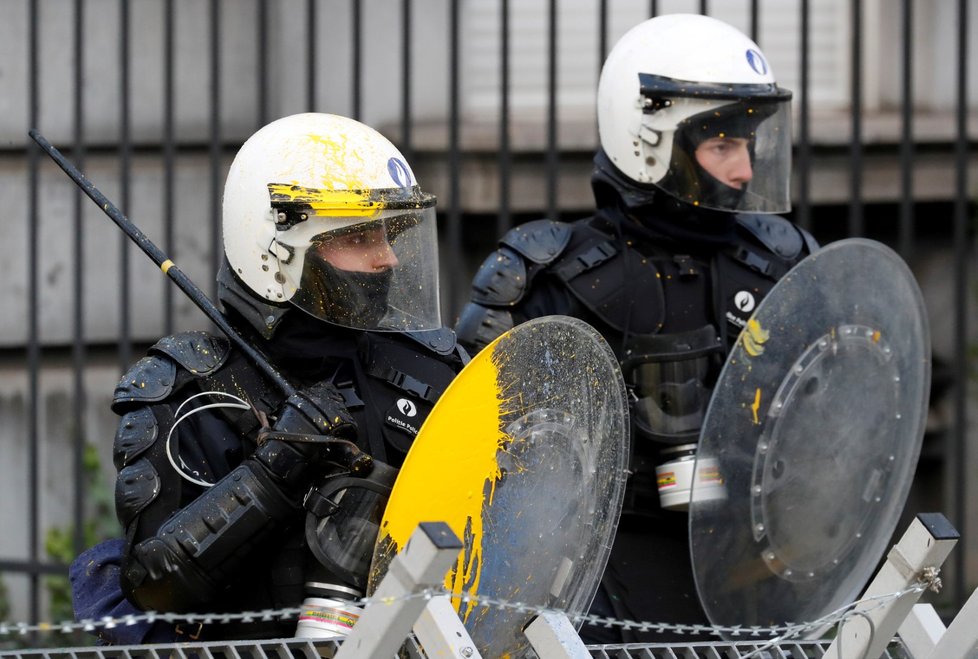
(308, 649)
(152, 99)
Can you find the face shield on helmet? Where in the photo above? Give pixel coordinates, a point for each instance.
(358, 266)
(322, 212)
(729, 154)
(688, 104)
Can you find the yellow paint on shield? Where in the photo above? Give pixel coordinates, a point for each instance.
(754, 337)
(756, 406)
(451, 471)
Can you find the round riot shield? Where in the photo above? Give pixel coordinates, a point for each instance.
(811, 439)
(524, 457)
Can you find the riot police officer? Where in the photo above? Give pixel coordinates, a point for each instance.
(331, 272)
(693, 165)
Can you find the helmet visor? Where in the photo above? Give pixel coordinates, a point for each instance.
(380, 273)
(734, 156)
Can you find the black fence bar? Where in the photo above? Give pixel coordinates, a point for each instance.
(802, 173)
(262, 62)
(169, 158)
(357, 32)
(855, 142)
(216, 146)
(962, 244)
(311, 40)
(125, 169)
(78, 347)
(553, 158)
(454, 228)
(503, 217)
(407, 147)
(602, 33)
(33, 297)
(755, 21)
(906, 228)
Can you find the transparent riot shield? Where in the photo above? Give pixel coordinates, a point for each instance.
(524, 456)
(811, 439)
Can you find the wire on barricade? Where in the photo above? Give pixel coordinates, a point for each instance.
(779, 633)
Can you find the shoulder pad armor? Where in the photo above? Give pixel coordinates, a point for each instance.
(440, 341)
(136, 432)
(150, 380)
(198, 352)
(810, 243)
(501, 279)
(478, 326)
(539, 241)
(135, 488)
(774, 232)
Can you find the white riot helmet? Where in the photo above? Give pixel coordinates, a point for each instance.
(689, 104)
(323, 212)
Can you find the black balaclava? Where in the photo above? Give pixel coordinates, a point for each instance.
(344, 297)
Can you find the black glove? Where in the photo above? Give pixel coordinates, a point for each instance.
(312, 433)
(316, 411)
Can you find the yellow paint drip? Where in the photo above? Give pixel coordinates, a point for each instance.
(756, 406)
(452, 470)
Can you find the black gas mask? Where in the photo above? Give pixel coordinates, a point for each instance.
(670, 378)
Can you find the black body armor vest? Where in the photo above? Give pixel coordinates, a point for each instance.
(389, 382)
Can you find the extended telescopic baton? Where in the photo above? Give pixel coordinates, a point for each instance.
(166, 265)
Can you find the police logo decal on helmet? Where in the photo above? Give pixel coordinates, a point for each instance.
(399, 172)
(756, 61)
